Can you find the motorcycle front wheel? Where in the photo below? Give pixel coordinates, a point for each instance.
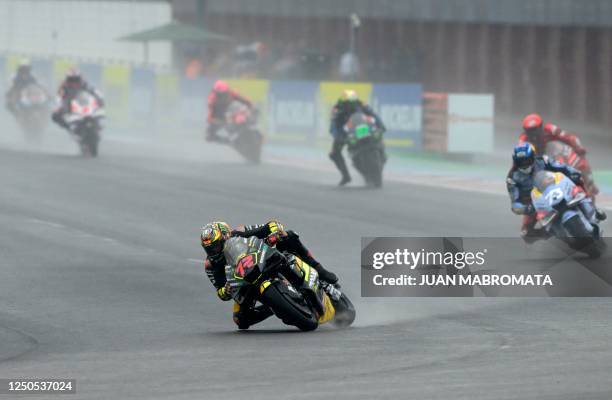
(582, 240)
(289, 306)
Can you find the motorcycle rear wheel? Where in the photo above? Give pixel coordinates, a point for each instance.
(89, 144)
(249, 144)
(345, 312)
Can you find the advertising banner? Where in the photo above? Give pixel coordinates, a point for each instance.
(10, 64)
(4, 82)
(61, 67)
(470, 123)
(43, 71)
(193, 102)
(292, 109)
(142, 99)
(92, 73)
(166, 98)
(115, 84)
(399, 106)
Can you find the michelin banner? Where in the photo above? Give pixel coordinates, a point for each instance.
(292, 109)
(399, 106)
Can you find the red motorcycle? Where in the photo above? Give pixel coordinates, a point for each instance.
(242, 132)
(565, 154)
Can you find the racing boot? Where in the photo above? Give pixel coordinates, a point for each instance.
(600, 214)
(292, 243)
(341, 165)
(252, 316)
(533, 236)
(58, 118)
(325, 275)
(528, 232)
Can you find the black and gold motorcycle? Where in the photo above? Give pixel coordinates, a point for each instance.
(257, 272)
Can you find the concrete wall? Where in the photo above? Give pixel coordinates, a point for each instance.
(562, 72)
(83, 29)
(526, 12)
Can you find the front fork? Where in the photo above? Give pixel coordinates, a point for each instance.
(312, 290)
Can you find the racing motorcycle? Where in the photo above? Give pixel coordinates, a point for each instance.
(565, 154)
(366, 147)
(242, 133)
(84, 121)
(33, 110)
(257, 272)
(565, 211)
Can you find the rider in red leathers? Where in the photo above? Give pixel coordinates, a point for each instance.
(219, 99)
(536, 132)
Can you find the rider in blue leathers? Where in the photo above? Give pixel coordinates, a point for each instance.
(348, 104)
(519, 183)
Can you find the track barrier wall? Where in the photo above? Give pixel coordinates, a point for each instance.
(143, 101)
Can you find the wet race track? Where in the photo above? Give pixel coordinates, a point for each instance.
(102, 281)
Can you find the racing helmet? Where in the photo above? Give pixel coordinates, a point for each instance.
(523, 157)
(349, 96)
(24, 68)
(348, 100)
(221, 87)
(533, 126)
(222, 90)
(74, 79)
(213, 237)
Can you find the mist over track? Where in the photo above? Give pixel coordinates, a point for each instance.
(100, 281)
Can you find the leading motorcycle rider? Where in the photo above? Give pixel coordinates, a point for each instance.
(519, 182)
(219, 99)
(67, 91)
(23, 77)
(347, 105)
(213, 237)
(538, 133)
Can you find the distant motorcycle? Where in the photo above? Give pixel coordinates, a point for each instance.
(562, 210)
(258, 272)
(242, 132)
(33, 105)
(84, 121)
(565, 154)
(366, 147)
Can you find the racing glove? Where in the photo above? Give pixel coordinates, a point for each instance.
(522, 209)
(225, 292)
(576, 177)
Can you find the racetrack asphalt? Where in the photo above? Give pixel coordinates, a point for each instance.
(102, 281)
